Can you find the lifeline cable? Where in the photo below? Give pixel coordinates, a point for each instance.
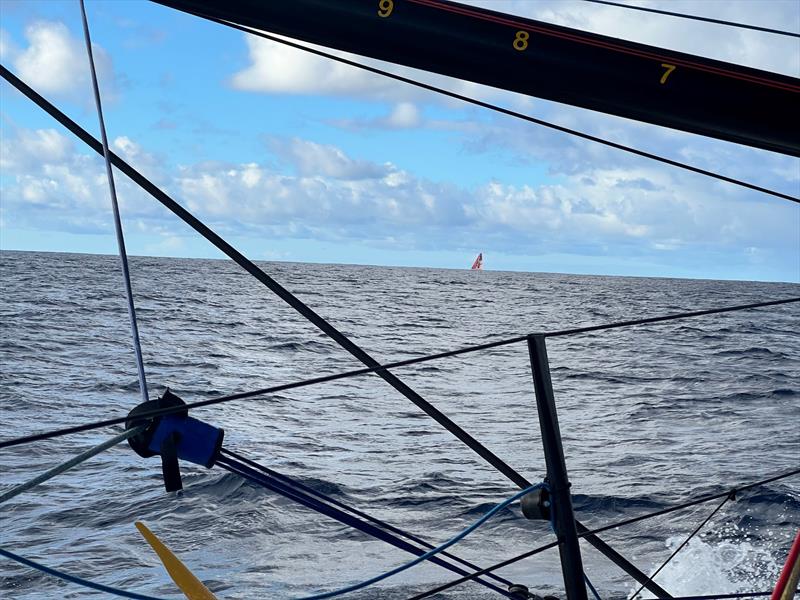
(308, 490)
(74, 579)
(696, 18)
(392, 365)
(622, 523)
(455, 539)
(123, 255)
(723, 596)
(683, 544)
(498, 109)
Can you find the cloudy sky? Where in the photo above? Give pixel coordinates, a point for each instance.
(293, 158)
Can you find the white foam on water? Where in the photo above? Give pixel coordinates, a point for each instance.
(724, 562)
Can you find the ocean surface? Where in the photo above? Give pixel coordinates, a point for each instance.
(651, 416)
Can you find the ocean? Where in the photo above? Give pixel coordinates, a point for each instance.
(651, 416)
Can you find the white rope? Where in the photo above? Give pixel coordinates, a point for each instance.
(117, 221)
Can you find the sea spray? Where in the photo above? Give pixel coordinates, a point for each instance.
(725, 561)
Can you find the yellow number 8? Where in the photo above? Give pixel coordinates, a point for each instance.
(385, 8)
(521, 40)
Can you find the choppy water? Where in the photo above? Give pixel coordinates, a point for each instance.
(650, 415)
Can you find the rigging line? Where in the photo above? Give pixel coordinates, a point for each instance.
(253, 476)
(529, 553)
(75, 460)
(74, 579)
(363, 515)
(591, 587)
(685, 315)
(274, 286)
(696, 18)
(363, 371)
(345, 342)
(123, 255)
(683, 544)
(453, 540)
(499, 109)
(500, 565)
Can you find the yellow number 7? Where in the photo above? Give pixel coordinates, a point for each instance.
(669, 69)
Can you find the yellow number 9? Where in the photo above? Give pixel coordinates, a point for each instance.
(521, 41)
(385, 8)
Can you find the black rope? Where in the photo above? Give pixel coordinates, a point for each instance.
(357, 372)
(355, 511)
(500, 109)
(684, 315)
(366, 370)
(658, 513)
(286, 488)
(696, 18)
(683, 544)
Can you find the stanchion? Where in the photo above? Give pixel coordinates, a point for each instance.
(561, 500)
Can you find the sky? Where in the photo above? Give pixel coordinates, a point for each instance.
(293, 158)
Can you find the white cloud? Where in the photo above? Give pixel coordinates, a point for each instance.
(337, 197)
(55, 62)
(404, 115)
(276, 68)
(49, 182)
(279, 69)
(32, 148)
(312, 159)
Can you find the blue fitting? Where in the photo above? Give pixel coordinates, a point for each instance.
(196, 442)
(173, 436)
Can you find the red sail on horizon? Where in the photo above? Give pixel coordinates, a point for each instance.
(478, 264)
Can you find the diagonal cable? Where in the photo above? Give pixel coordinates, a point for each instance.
(72, 462)
(499, 109)
(123, 255)
(696, 18)
(683, 544)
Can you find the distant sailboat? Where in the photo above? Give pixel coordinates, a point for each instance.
(478, 264)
